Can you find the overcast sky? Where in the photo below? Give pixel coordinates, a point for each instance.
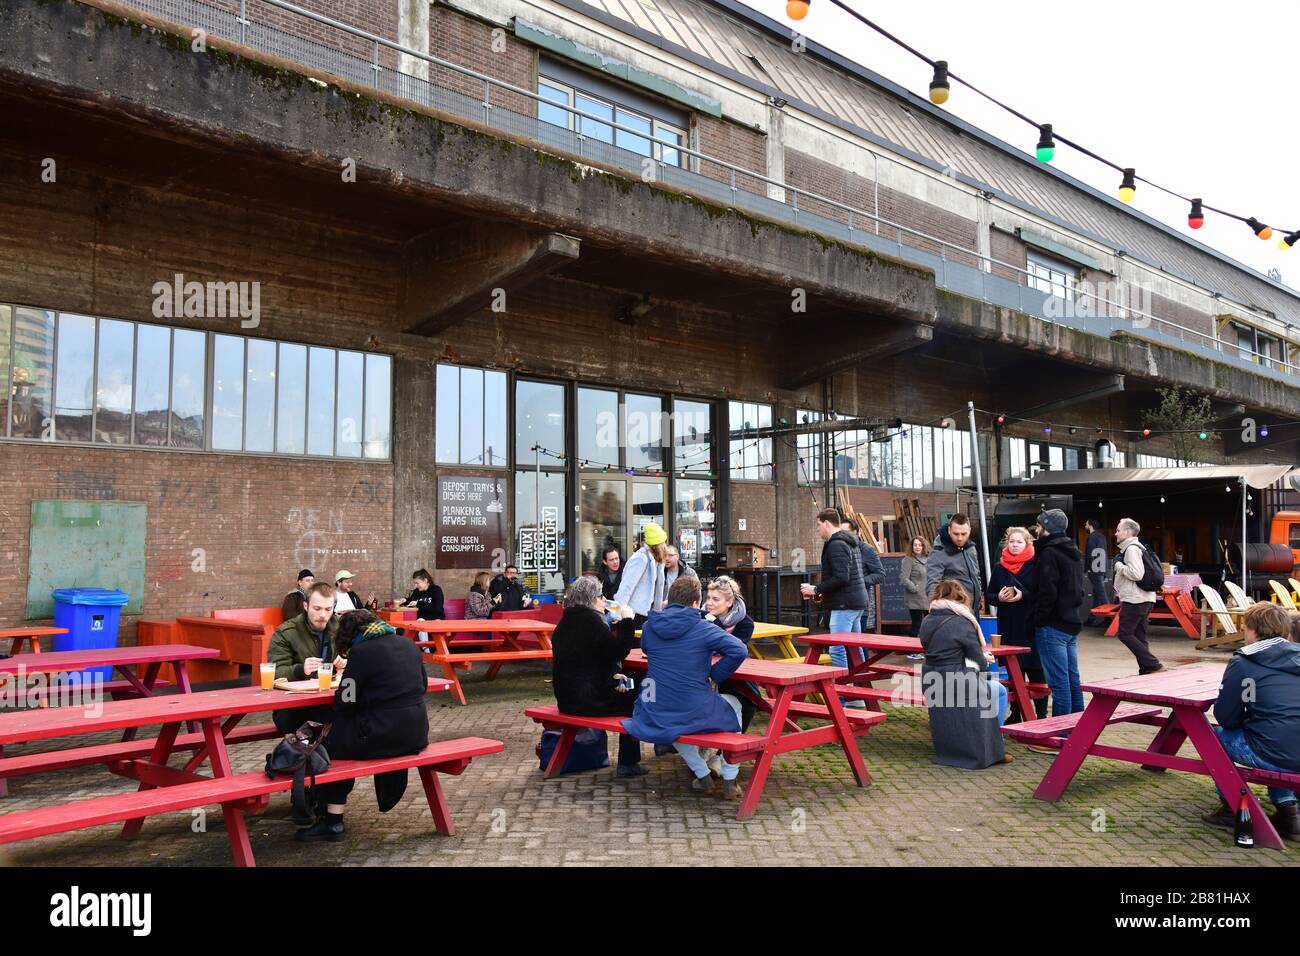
(1197, 96)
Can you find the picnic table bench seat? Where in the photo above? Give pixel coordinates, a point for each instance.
(733, 745)
(1047, 728)
(246, 792)
(21, 765)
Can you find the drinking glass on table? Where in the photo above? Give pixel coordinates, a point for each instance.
(326, 673)
(268, 676)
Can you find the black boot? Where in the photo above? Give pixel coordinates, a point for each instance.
(328, 828)
(1287, 820)
(1223, 817)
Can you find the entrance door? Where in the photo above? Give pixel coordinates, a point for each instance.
(615, 511)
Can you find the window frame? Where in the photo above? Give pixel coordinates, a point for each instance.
(657, 125)
(1042, 268)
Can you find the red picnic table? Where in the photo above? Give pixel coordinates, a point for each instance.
(866, 670)
(32, 635)
(1174, 607)
(120, 658)
(784, 683)
(165, 789)
(1188, 693)
(500, 638)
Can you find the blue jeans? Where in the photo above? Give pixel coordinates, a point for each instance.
(695, 760)
(1059, 653)
(845, 622)
(1001, 690)
(1238, 748)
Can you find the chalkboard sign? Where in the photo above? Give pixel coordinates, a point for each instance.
(890, 596)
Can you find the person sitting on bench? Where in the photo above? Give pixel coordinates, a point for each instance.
(1258, 710)
(298, 646)
(379, 711)
(679, 693)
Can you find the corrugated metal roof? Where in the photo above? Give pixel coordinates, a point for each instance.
(729, 35)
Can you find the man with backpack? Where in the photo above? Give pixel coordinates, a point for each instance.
(1137, 579)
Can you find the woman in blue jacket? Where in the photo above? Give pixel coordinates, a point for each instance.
(678, 695)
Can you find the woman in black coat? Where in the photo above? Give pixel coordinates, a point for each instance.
(586, 661)
(962, 698)
(378, 712)
(1012, 589)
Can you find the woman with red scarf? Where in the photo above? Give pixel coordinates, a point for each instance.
(1011, 590)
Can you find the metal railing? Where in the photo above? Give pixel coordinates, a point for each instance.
(859, 226)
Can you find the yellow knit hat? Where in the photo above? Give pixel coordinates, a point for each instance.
(654, 534)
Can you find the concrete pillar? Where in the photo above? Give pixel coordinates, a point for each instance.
(775, 151)
(413, 33)
(415, 490)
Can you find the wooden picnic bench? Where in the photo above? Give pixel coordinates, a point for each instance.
(31, 635)
(1173, 607)
(785, 683)
(121, 659)
(165, 789)
(1187, 693)
(500, 639)
(866, 654)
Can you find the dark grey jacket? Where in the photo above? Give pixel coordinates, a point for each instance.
(946, 561)
(1261, 693)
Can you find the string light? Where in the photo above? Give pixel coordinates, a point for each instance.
(1046, 145)
(796, 9)
(1260, 230)
(1287, 241)
(1202, 435)
(1129, 186)
(1196, 218)
(1263, 431)
(939, 84)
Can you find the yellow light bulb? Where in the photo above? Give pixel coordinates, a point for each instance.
(1126, 193)
(938, 95)
(1283, 244)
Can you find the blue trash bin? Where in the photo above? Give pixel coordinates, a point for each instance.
(989, 627)
(91, 616)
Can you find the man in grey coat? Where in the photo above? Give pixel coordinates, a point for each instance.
(955, 556)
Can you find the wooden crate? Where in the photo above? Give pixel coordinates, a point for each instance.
(746, 555)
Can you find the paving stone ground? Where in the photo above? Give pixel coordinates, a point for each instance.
(811, 814)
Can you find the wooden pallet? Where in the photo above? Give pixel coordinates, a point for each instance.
(912, 521)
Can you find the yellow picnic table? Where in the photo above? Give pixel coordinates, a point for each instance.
(781, 634)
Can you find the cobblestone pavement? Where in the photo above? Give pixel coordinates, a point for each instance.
(915, 812)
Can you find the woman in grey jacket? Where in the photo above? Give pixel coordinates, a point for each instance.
(912, 572)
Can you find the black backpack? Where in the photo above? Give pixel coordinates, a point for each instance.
(1153, 576)
(301, 754)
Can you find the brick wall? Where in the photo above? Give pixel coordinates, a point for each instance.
(1005, 247)
(222, 530)
(932, 220)
(826, 179)
(373, 16)
(468, 42)
(735, 144)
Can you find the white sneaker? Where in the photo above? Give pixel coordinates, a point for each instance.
(714, 764)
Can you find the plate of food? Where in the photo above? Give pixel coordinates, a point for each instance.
(309, 686)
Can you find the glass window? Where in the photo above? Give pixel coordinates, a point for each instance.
(694, 519)
(647, 506)
(113, 399)
(603, 519)
(750, 457)
(692, 437)
(672, 157)
(350, 396)
(1055, 458)
(379, 391)
(539, 420)
(33, 373)
(594, 107)
(320, 402)
(555, 94)
(598, 429)
(635, 121)
(228, 393)
(74, 372)
(550, 537)
(810, 450)
(153, 375)
(1052, 276)
(259, 427)
(470, 419)
(291, 411)
(643, 431)
(189, 387)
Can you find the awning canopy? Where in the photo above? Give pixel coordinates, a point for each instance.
(1103, 481)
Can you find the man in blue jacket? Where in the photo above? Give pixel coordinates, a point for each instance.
(1258, 710)
(679, 694)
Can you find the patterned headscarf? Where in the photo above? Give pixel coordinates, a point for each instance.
(377, 628)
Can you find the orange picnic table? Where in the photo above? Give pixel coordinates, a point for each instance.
(32, 635)
(499, 640)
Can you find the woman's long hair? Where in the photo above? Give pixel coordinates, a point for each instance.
(951, 590)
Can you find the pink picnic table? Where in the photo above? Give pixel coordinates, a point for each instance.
(1188, 693)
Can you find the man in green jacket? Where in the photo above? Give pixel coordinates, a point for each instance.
(297, 648)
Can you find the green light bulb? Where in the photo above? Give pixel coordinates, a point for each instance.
(1045, 154)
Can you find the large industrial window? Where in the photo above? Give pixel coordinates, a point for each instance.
(605, 105)
(470, 417)
(84, 379)
(750, 456)
(920, 457)
(810, 450)
(1052, 276)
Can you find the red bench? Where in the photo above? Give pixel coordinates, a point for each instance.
(1053, 731)
(245, 792)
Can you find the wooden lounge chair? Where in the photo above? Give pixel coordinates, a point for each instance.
(1223, 629)
(1282, 596)
(1237, 597)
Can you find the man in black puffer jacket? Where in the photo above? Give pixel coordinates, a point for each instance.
(873, 572)
(842, 592)
(1056, 617)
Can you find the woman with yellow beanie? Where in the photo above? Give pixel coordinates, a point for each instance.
(642, 587)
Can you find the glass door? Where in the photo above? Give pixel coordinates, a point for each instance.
(647, 506)
(603, 518)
